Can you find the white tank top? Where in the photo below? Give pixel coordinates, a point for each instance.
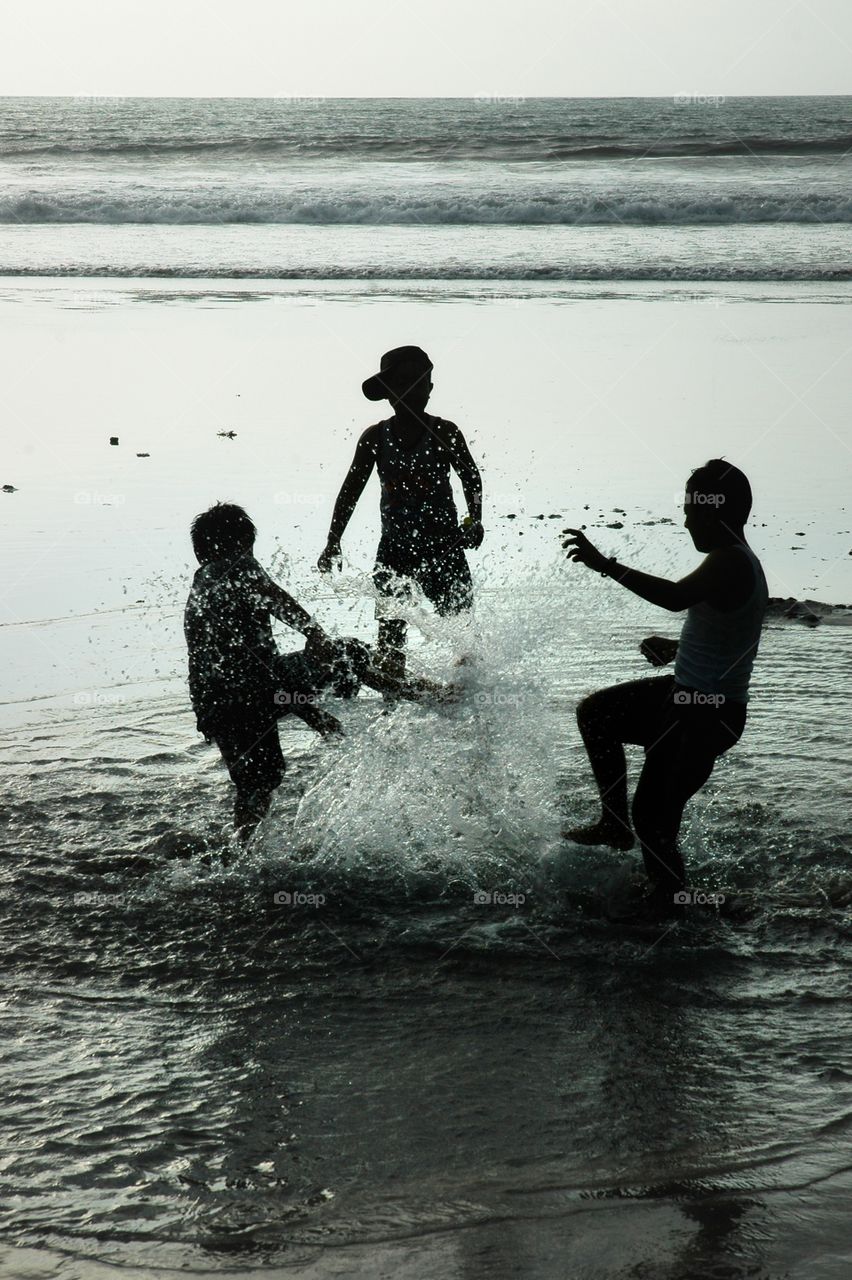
(716, 650)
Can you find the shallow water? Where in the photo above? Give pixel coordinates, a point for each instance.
(385, 1075)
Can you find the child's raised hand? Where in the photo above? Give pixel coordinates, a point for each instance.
(331, 558)
(580, 549)
(471, 534)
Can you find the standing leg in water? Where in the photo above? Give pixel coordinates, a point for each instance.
(249, 810)
(609, 765)
(390, 649)
(678, 762)
(608, 719)
(674, 770)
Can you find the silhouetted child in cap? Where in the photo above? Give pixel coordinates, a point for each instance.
(421, 540)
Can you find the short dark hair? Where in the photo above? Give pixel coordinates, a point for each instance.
(224, 530)
(720, 477)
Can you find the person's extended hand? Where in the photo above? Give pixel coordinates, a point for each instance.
(658, 650)
(419, 689)
(323, 648)
(580, 549)
(471, 535)
(330, 558)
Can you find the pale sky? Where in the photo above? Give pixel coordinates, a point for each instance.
(463, 48)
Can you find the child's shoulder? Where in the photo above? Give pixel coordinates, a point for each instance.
(236, 571)
(446, 431)
(370, 437)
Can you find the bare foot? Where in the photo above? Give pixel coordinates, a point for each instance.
(617, 836)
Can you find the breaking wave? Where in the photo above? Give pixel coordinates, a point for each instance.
(437, 206)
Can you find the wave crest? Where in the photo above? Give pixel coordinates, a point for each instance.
(438, 207)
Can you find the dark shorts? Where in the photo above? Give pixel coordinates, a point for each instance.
(247, 735)
(442, 574)
(248, 741)
(696, 722)
(683, 732)
(666, 719)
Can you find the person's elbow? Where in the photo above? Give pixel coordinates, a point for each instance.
(675, 599)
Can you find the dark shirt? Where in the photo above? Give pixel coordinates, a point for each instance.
(232, 652)
(417, 504)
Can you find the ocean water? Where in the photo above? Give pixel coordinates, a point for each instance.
(403, 1034)
(474, 189)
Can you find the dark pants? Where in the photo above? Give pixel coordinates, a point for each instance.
(683, 734)
(247, 733)
(440, 570)
(442, 573)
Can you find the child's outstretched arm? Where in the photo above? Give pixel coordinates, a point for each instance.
(347, 499)
(323, 722)
(411, 688)
(719, 578)
(283, 606)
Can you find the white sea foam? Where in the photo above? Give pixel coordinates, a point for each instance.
(484, 806)
(438, 205)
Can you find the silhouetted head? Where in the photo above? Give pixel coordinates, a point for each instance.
(716, 505)
(404, 378)
(223, 531)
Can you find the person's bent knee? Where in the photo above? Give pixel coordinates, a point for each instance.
(649, 818)
(589, 711)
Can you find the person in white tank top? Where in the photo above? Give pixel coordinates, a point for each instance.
(687, 720)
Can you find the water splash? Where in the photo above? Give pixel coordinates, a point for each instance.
(434, 798)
